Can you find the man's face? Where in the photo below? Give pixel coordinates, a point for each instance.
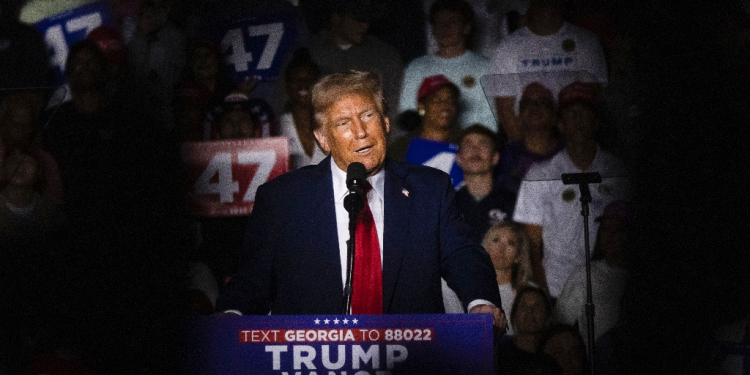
(531, 315)
(476, 154)
(440, 109)
(349, 29)
(86, 70)
(450, 29)
(355, 131)
(537, 112)
(578, 123)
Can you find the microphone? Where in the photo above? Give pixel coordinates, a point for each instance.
(356, 175)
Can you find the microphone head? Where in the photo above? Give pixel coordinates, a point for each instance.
(355, 174)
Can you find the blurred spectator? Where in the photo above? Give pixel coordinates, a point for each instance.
(204, 82)
(437, 100)
(203, 289)
(489, 22)
(480, 202)
(124, 281)
(546, 44)
(549, 209)
(539, 140)
(157, 57)
(399, 23)
(23, 54)
(239, 117)
(297, 122)
(508, 247)
(452, 25)
(19, 117)
(608, 274)
(25, 213)
(563, 343)
(347, 45)
(531, 316)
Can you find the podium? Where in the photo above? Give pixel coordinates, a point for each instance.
(339, 344)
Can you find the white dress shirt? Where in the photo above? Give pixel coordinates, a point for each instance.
(374, 200)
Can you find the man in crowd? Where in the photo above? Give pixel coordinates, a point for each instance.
(549, 209)
(479, 200)
(347, 45)
(452, 25)
(539, 141)
(546, 44)
(294, 259)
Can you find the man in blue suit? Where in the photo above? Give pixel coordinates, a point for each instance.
(294, 253)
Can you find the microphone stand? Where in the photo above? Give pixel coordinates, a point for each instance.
(353, 204)
(583, 180)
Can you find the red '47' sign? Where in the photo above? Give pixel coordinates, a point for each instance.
(225, 175)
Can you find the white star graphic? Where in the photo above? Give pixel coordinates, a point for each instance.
(317, 321)
(335, 321)
(346, 321)
(354, 320)
(326, 321)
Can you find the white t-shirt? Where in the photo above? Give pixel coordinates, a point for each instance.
(544, 200)
(607, 286)
(570, 49)
(465, 71)
(298, 156)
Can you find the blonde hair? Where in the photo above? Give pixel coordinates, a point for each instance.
(334, 86)
(521, 273)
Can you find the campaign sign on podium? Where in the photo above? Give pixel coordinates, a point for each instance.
(440, 155)
(340, 344)
(225, 175)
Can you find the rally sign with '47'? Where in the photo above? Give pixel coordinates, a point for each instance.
(225, 175)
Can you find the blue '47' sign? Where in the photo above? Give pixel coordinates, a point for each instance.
(64, 29)
(255, 46)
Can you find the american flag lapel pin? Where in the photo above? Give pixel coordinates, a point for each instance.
(405, 192)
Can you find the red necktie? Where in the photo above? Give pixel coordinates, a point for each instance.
(367, 282)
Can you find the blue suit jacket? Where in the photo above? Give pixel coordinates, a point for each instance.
(290, 258)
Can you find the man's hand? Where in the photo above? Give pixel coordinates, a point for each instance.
(498, 316)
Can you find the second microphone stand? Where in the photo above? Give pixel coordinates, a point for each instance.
(583, 180)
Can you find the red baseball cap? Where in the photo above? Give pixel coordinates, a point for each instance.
(432, 84)
(537, 87)
(578, 92)
(110, 42)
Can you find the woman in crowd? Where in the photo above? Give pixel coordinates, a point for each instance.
(438, 103)
(508, 247)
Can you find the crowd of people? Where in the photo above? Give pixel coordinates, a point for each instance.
(96, 237)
